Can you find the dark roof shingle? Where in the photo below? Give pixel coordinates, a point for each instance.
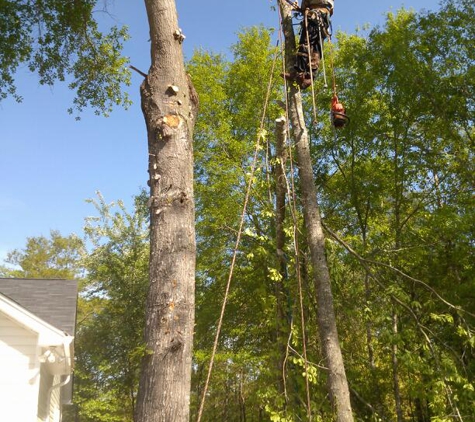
(54, 301)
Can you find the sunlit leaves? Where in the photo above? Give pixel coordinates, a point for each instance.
(60, 41)
(401, 194)
(15, 43)
(55, 256)
(111, 318)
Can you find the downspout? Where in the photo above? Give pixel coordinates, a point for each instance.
(50, 392)
(67, 344)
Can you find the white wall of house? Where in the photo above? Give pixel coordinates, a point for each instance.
(19, 372)
(55, 403)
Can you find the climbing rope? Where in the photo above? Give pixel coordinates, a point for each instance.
(287, 130)
(338, 116)
(332, 65)
(291, 193)
(309, 53)
(322, 27)
(238, 241)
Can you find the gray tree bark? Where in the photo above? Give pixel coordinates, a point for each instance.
(338, 384)
(169, 105)
(395, 365)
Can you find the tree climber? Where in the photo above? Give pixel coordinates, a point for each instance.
(314, 29)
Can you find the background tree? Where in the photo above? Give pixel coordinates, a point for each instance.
(59, 41)
(113, 276)
(393, 175)
(55, 256)
(111, 313)
(376, 194)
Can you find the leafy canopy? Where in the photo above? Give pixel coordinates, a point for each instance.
(60, 40)
(55, 256)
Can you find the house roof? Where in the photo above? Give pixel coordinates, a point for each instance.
(54, 301)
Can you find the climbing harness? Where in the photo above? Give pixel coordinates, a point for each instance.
(338, 115)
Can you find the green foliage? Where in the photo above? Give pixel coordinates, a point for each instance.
(232, 98)
(388, 190)
(60, 40)
(43, 257)
(401, 194)
(15, 44)
(109, 344)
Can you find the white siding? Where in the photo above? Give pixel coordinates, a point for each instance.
(49, 412)
(46, 382)
(54, 410)
(19, 372)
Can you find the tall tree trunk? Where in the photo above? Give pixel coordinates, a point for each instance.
(399, 176)
(395, 365)
(242, 398)
(422, 410)
(338, 384)
(169, 105)
(369, 327)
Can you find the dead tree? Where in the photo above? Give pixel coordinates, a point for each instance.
(337, 382)
(169, 105)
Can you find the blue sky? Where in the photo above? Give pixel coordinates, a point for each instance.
(50, 163)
